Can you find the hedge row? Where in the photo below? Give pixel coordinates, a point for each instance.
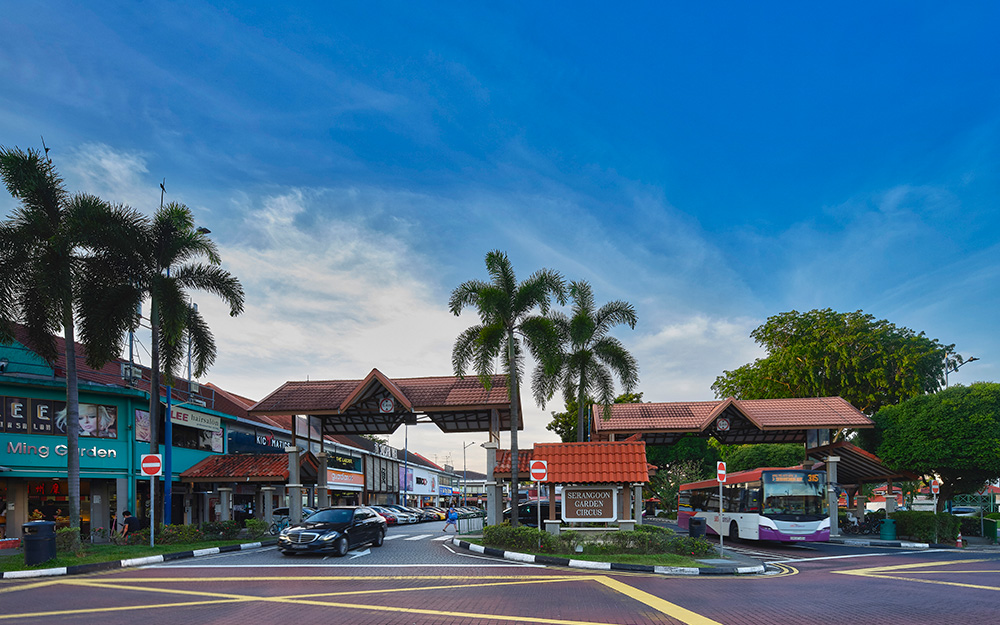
(645, 539)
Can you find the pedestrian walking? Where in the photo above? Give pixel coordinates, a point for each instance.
(451, 519)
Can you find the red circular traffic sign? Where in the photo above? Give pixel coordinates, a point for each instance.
(721, 471)
(539, 470)
(151, 464)
(935, 487)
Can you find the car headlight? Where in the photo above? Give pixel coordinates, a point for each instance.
(284, 531)
(330, 536)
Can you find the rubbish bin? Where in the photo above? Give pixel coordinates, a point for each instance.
(696, 527)
(39, 542)
(990, 530)
(888, 531)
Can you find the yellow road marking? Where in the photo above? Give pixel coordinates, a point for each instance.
(670, 609)
(78, 611)
(884, 572)
(30, 586)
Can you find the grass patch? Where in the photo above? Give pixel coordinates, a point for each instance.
(107, 553)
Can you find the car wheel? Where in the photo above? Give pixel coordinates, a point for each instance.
(379, 539)
(340, 547)
(734, 531)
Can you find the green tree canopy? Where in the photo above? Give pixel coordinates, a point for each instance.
(746, 457)
(953, 434)
(588, 359)
(821, 353)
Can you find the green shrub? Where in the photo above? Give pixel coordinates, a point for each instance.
(920, 525)
(656, 529)
(68, 540)
(224, 530)
(521, 538)
(140, 537)
(993, 515)
(687, 546)
(177, 534)
(970, 525)
(256, 527)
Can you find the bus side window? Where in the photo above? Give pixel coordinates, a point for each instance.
(753, 504)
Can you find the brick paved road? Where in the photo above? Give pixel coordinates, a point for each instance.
(865, 586)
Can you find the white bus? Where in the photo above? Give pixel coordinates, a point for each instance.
(762, 504)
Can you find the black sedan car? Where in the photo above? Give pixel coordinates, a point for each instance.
(334, 530)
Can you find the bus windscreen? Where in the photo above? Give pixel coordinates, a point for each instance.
(794, 495)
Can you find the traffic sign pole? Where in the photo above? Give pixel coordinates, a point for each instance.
(721, 474)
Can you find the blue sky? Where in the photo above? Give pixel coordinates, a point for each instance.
(713, 165)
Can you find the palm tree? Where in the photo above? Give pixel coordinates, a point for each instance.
(165, 267)
(51, 249)
(508, 321)
(589, 359)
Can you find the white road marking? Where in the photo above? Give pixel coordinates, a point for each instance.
(419, 537)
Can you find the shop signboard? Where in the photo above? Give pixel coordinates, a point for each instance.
(336, 477)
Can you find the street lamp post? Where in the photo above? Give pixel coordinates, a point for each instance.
(958, 365)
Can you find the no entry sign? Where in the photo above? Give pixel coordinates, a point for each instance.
(721, 470)
(539, 470)
(151, 464)
(935, 487)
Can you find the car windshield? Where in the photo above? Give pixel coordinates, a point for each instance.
(332, 516)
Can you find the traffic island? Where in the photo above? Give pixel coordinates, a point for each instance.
(714, 566)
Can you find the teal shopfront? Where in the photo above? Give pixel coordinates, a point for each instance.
(34, 453)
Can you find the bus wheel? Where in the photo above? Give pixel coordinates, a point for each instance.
(734, 531)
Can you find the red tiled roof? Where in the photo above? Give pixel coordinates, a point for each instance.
(422, 394)
(502, 468)
(242, 467)
(595, 462)
(767, 414)
(582, 463)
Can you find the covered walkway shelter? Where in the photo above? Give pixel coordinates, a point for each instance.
(379, 405)
(811, 421)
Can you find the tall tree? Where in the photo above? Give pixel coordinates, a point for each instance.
(508, 324)
(589, 359)
(821, 353)
(51, 249)
(954, 434)
(167, 267)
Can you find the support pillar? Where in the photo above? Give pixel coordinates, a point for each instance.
(831, 485)
(268, 496)
(322, 491)
(637, 502)
(294, 486)
(494, 493)
(225, 503)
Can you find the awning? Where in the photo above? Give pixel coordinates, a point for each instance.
(857, 466)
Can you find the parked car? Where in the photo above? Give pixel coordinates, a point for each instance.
(966, 510)
(402, 514)
(334, 530)
(422, 515)
(527, 512)
(388, 515)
